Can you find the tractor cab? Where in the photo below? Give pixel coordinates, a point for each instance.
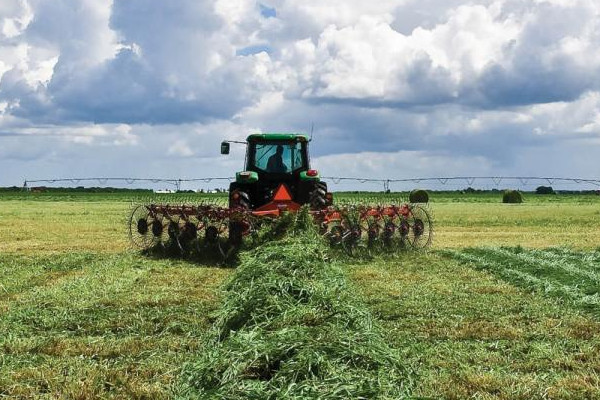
(273, 157)
(273, 160)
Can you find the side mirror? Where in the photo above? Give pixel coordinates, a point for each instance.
(224, 147)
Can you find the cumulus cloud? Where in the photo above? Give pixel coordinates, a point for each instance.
(127, 62)
(414, 86)
(486, 55)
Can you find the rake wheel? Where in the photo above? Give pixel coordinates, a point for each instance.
(420, 224)
(352, 238)
(335, 235)
(140, 223)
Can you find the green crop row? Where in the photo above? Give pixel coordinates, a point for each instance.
(573, 277)
(290, 327)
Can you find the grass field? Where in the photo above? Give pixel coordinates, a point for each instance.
(473, 335)
(504, 306)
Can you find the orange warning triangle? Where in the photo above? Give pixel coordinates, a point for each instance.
(282, 194)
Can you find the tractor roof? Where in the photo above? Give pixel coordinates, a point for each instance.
(277, 136)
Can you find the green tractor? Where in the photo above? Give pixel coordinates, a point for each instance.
(278, 179)
(277, 175)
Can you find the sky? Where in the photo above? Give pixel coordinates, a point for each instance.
(394, 89)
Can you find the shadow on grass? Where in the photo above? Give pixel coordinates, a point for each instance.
(221, 252)
(224, 256)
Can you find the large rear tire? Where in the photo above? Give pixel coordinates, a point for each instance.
(318, 196)
(243, 196)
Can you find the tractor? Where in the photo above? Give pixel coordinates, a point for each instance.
(278, 179)
(277, 176)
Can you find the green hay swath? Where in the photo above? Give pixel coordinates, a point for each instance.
(290, 327)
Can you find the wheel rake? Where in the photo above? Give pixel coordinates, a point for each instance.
(183, 228)
(357, 229)
(364, 229)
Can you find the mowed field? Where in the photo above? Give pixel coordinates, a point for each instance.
(505, 305)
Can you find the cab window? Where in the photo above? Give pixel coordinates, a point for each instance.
(278, 157)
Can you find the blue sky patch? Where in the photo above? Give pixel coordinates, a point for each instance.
(267, 12)
(248, 51)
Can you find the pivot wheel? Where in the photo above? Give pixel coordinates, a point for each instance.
(140, 223)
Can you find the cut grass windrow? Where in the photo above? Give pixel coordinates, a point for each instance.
(290, 327)
(573, 277)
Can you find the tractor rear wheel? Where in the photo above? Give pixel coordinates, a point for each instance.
(318, 196)
(239, 196)
(239, 199)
